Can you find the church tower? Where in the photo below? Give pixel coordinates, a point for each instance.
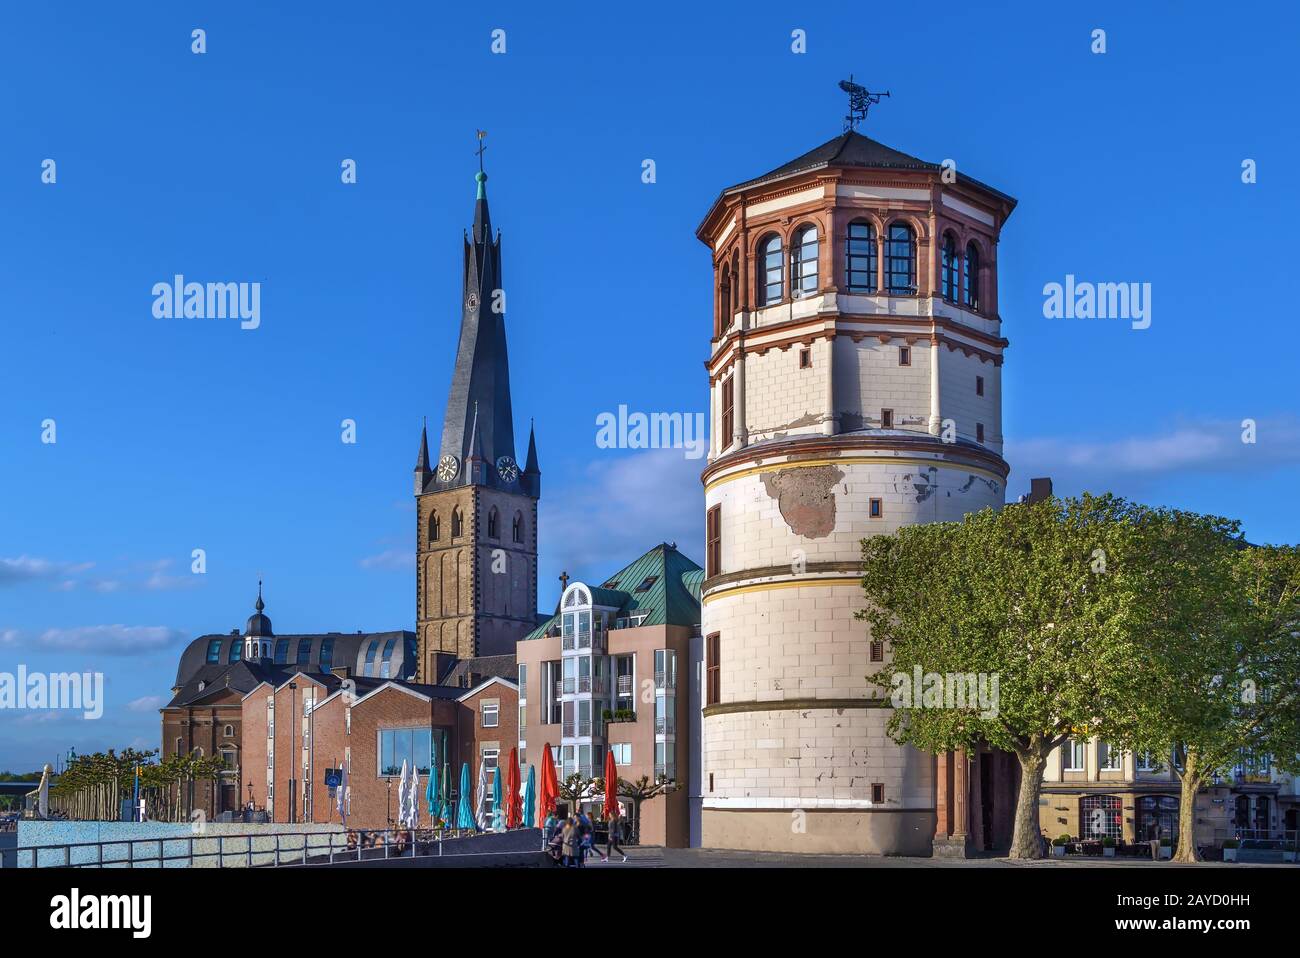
(855, 376)
(476, 511)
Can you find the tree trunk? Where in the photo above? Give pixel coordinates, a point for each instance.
(1026, 840)
(1191, 784)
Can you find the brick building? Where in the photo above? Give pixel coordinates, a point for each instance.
(297, 731)
(205, 714)
(617, 669)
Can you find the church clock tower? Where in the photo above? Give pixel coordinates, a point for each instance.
(476, 508)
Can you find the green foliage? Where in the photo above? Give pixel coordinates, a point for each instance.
(1014, 593)
(1062, 839)
(1227, 843)
(1108, 842)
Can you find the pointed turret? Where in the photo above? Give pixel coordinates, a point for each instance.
(423, 471)
(532, 479)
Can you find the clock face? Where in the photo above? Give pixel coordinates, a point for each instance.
(507, 469)
(448, 467)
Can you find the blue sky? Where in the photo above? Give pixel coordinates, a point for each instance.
(177, 435)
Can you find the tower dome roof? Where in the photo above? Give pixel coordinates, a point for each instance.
(258, 624)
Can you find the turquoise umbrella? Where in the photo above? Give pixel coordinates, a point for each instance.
(530, 797)
(431, 790)
(498, 807)
(465, 807)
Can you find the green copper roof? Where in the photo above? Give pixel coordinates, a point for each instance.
(663, 583)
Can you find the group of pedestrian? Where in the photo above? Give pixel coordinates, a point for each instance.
(570, 840)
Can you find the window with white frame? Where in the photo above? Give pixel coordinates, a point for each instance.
(490, 712)
(622, 752)
(1074, 755)
(1109, 758)
(1147, 762)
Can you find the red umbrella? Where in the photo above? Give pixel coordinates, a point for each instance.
(550, 786)
(514, 804)
(611, 784)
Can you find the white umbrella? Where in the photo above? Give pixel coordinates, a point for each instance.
(342, 793)
(412, 799)
(480, 804)
(401, 792)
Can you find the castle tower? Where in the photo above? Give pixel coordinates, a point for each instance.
(476, 512)
(855, 383)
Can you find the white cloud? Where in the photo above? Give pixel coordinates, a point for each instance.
(147, 703)
(1134, 462)
(399, 559)
(25, 568)
(622, 506)
(105, 639)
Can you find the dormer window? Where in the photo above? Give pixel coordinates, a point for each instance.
(647, 583)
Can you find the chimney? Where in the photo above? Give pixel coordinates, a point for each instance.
(1040, 489)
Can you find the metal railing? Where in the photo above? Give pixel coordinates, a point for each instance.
(568, 730)
(625, 685)
(240, 850)
(568, 686)
(584, 683)
(584, 728)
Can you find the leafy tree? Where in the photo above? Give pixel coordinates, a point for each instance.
(1222, 660)
(1043, 597)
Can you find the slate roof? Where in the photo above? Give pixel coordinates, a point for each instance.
(671, 595)
(348, 650)
(853, 149)
(484, 666)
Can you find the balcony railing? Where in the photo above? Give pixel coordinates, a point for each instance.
(625, 685)
(559, 689)
(568, 641)
(664, 725)
(584, 683)
(568, 730)
(599, 685)
(568, 686)
(584, 728)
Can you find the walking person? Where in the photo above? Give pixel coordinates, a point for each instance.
(585, 835)
(612, 842)
(569, 843)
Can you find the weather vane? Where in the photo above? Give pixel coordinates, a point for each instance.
(860, 100)
(481, 147)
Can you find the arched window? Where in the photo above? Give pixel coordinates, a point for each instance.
(517, 532)
(236, 652)
(281, 651)
(304, 651)
(725, 310)
(435, 526)
(803, 262)
(493, 531)
(455, 522)
(900, 259)
(370, 658)
(970, 293)
(229, 731)
(861, 258)
(771, 273)
(385, 666)
(214, 652)
(948, 268)
(327, 655)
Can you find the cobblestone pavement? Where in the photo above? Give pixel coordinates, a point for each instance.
(721, 858)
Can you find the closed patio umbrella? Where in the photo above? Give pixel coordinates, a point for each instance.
(530, 798)
(498, 805)
(403, 784)
(464, 810)
(550, 786)
(611, 785)
(480, 797)
(512, 790)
